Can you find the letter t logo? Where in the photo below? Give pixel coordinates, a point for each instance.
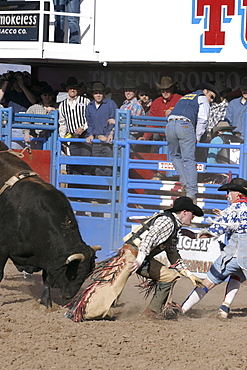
(215, 13)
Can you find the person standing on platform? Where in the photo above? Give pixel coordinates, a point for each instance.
(68, 6)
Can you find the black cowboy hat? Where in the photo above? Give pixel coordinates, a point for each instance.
(98, 86)
(130, 83)
(46, 89)
(211, 87)
(72, 83)
(208, 86)
(221, 87)
(243, 83)
(144, 89)
(236, 184)
(186, 204)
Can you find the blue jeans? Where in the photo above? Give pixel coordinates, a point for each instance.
(69, 6)
(181, 139)
(217, 275)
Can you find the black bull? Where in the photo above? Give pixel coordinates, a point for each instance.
(38, 231)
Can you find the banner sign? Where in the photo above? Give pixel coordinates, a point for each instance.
(169, 166)
(16, 26)
(198, 254)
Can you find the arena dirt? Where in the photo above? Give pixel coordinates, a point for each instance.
(33, 339)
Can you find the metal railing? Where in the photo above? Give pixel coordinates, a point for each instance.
(106, 207)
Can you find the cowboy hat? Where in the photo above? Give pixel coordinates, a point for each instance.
(236, 184)
(222, 126)
(165, 83)
(144, 89)
(243, 84)
(98, 86)
(221, 87)
(72, 82)
(129, 84)
(46, 89)
(185, 204)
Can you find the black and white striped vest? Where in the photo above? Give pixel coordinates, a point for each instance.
(75, 117)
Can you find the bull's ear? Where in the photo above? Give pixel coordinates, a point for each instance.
(96, 248)
(75, 257)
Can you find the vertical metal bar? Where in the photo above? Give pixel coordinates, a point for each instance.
(9, 127)
(125, 183)
(243, 162)
(114, 183)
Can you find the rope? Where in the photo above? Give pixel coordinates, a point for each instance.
(19, 155)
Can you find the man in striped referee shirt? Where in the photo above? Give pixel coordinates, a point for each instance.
(72, 120)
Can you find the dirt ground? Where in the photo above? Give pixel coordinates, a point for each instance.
(33, 339)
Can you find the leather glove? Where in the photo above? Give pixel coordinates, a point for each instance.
(194, 279)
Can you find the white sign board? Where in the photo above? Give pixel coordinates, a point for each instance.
(169, 166)
(199, 254)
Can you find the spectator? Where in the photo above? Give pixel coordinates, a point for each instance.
(186, 124)
(17, 95)
(100, 115)
(222, 134)
(217, 111)
(15, 92)
(72, 121)
(162, 107)
(46, 105)
(131, 103)
(68, 6)
(237, 109)
(144, 94)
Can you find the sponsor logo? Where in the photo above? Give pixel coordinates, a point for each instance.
(215, 15)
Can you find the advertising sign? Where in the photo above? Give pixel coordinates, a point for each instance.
(15, 24)
(198, 254)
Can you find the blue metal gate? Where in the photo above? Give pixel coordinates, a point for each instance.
(106, 207)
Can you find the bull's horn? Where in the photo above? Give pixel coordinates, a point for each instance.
(96, 248)
(73, 257)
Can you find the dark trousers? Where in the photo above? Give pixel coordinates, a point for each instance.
(102, 150)
(84, 150)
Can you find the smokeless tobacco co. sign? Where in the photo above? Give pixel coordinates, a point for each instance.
(16, 26)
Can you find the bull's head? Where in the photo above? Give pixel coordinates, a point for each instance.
(77, 268)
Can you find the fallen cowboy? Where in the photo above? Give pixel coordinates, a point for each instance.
(141, 254)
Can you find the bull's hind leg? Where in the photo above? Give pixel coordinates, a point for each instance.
(3, 260)
(46, 295)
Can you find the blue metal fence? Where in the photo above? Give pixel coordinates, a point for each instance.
(48, 122)
(106, 207)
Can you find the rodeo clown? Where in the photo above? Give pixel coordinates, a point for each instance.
(232, 261)
(158, 234)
